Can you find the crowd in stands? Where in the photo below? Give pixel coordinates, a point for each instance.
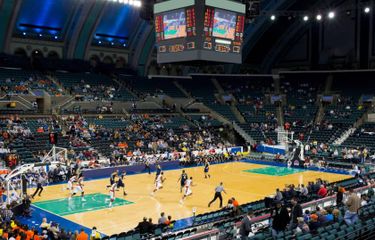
(10, 229)
(288, 218)
(24, 85)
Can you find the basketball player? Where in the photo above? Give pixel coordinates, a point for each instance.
(120, 183)
(187, 191)
(182, 179)
(158, 183)
(112, 191)
(79, 188)
(70, 183)
(158, 170)
(206, 169)
(112, 178)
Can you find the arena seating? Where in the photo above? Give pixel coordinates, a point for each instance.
(91, 86)
(226, 223)
(15, 81)
(154, 86)
(247, 89)
(364, 136)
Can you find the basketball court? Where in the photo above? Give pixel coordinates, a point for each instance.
(244, 181)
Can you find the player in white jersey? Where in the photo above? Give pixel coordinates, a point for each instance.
(187, 189)
(158, 182)
(112, 191)
(70, 183)
(79, 188)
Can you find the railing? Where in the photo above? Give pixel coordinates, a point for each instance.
(264, 219)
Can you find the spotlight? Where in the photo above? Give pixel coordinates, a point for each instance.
(138, 3)
(24, 33)
(40, 35)
(112, 43)
(100, 42)
(331, 15)
(367, 10)
(318, 17)
(56, 37)
(131, 2)
(306, 18)
(124, 45)
(273, 17)
(126, 1)
(121, 1)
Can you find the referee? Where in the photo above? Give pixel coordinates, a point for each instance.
(39, 182)
(218, 191)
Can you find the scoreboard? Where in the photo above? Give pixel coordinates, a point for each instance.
(199, 30)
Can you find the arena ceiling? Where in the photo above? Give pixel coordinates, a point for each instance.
(77, 24)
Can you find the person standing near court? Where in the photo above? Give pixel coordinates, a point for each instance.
(295, 213)
(218, 190)
(245, 228)
(39, 185)
(147, 166)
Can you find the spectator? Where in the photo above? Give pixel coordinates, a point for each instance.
(322, 191)
(82, 235)
(44, 225)
(280, 219)
(162, 220)
(144, 226)
(364, 200)
(353, 203)
(95, 235)
(279, 195)
(151, 226)
(169, 222)
(245, 228)
(339, 195)
(296, 212)
(302, 226)
(314, 224)
(304, 191)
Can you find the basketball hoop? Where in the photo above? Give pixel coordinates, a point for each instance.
(284, 137)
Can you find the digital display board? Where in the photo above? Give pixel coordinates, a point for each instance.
(174, 24)
(224, 24)
(202, 31)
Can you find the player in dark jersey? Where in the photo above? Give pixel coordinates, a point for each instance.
(182, 179)
(158, 170)
(112, 178)
(120, 183)
(206, 169)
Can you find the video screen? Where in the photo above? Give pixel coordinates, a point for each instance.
(174, 24)
(224, 24)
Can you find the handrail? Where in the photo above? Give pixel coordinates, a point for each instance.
(203, 234)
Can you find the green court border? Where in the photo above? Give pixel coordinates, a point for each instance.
(77, 199)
